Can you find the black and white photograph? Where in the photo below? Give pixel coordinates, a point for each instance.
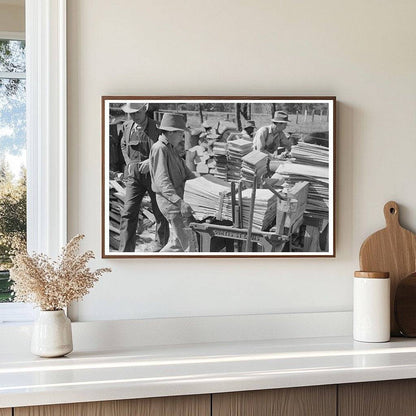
(218, 176)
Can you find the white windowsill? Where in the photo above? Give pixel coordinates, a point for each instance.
(16, 313)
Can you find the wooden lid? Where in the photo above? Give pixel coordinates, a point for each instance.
(372, 275)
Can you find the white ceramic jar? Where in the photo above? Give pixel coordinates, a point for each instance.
(371, 313)
(52, 334)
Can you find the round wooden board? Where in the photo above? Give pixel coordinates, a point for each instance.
(393, 250)
(405, 306)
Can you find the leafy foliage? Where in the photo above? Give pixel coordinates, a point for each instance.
(12, 56)
(12, 142)
(12, 97)
(12, 214)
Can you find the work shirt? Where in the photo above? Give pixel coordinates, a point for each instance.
(116, 156)
(137, 141)
(169, 173)
(266, 141)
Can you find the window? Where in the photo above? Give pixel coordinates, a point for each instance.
(45, 27)
(45, 85)
(12, 154)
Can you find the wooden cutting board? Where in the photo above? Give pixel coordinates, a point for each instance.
(393, 250)
(405, 306)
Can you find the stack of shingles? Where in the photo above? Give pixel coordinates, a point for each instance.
(220, 157)
(237, 149)
(264, 208)
(311, 164)
(310, 154)
(203, 194)
(117, 196)
(254, 164)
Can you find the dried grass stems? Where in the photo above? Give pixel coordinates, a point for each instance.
(53, 285)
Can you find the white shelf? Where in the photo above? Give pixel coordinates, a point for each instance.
(150, 371)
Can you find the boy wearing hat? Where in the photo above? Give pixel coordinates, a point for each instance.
(248, 130)
(268, 138)
(169, 173)
(139, 134)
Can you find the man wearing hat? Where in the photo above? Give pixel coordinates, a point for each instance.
(169, 173)
(248, 130)
(269, 138)
(139, 134)
(207, 127)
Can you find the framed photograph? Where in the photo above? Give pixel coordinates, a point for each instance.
(218, 177)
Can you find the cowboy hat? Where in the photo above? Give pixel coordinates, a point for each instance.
(280, 117)
(134, 107)
(172, 122)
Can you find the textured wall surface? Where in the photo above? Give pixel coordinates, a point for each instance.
(361, 52)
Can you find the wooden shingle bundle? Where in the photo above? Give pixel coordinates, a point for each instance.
(310, 163)
(264, 208)
(205, 194)
(310, 154)
(237, 149)
(220, 157)
(318, 177)
(254, 164)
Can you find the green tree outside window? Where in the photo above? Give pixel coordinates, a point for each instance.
(12, 146)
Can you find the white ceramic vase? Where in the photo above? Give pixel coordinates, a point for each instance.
(52, 334)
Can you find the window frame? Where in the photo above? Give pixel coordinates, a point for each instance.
(46, 135)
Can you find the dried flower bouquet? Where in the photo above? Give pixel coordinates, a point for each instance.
(53, 285)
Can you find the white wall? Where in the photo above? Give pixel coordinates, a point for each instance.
(360, 51)
(12, 18)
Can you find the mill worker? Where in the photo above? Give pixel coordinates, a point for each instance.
(269, 138)
(248, 131)
(169, 173)
(207, 127)
(139, 134)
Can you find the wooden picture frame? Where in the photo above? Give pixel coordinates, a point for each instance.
(289, 158)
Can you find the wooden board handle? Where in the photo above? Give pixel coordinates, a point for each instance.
(391, 214)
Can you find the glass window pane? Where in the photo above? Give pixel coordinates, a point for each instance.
(12, 56)
(12, 116)
(12, 175)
